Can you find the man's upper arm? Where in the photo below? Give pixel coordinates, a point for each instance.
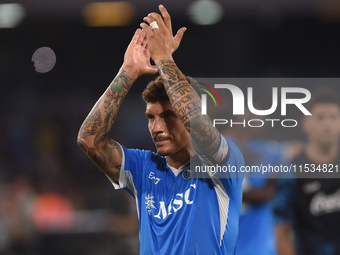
(107, 156)
(134, 164)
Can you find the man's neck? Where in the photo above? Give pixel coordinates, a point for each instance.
(180, 158)
(177, 161)
(322, 154)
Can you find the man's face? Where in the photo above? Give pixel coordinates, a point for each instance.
(324, 125)
(166, 129)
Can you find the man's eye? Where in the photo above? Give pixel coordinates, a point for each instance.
(151, 121)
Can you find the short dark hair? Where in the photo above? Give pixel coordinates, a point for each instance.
(155, 91)
(324, 95)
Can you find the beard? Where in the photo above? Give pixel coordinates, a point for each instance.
(165, 150)
(162, 153)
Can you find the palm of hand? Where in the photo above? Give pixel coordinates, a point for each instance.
(137, 55)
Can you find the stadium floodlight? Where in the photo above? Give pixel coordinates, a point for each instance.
(11, 15)
(205, 12)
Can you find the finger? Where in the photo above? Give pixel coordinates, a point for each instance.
(148, 19)
(145, 41)
(136, 36)
(141, 37)
(178, 37)
(166, 17)
(146, 28)
(158, 18)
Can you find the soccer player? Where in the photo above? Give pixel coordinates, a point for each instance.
(178, 213)
(310, 207)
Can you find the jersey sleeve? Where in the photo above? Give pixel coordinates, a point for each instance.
(232, 175)
(225, 166)
(131, 170)
(226, 162)
(219, 156)
(284, 200)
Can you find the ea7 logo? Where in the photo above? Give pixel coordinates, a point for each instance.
(152, 176)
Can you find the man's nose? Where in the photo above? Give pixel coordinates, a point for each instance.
(158, 125)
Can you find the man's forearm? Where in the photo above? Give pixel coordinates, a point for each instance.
(94, 132)
(187, 105)
(94, 135)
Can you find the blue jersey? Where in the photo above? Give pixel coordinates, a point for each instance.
(179, 214)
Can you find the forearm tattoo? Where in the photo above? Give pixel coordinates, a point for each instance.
(187, 105)
(97, 125)
(185, 102)
(119, 86)
(206, 136)
(92, 123)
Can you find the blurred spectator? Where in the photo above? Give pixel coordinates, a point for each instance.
(256, 223)
(306, 206)
(18, 234)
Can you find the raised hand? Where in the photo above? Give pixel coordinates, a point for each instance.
(137, 56)
(161, 42)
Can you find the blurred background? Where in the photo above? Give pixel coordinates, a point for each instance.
(53, 199)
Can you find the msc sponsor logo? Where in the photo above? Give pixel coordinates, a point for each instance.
(176, 204)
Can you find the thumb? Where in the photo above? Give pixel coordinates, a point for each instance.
(178, 37)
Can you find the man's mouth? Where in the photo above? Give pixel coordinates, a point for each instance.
(160, 141)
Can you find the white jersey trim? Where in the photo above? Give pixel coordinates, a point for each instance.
(179, 170)
(222, 151)
(223, 204)
(125, 177)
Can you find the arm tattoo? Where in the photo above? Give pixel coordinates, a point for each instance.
(98, 124)
(104, 156)
(105, 153)
(119, 86)
(84, 147)
(91, 124)
(206, 136)
(113, 98)
(185, 102)
(187, 105)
